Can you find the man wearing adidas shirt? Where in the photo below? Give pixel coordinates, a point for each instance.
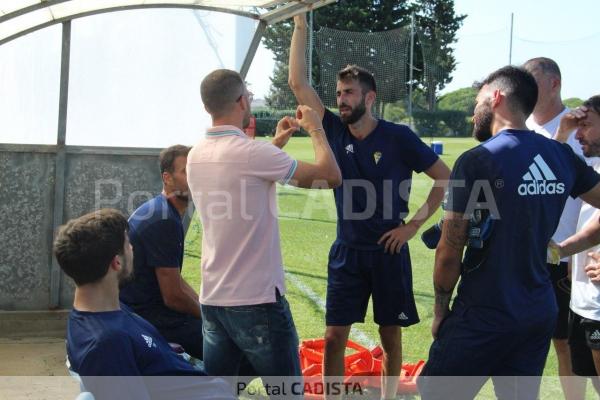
(504, 314)
(544, 120)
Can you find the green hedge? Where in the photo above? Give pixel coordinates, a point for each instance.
(437, 123)
(442, 123)
(266, 121)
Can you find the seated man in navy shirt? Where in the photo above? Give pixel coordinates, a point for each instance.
(370, 255)
(504, 203)
(104, 337)
(157, 291)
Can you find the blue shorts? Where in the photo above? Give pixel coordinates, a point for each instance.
(354, 275)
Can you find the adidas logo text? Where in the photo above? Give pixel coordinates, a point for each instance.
(536, 180)
(595, 335)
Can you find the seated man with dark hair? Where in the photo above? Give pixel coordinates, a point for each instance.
(104, 337)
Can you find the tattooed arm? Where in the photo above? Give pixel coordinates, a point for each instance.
(447, 264)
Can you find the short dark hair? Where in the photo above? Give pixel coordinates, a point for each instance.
(364, 77)
(593, 103)
(167, 157)
(518, 85)
(220, 90)
(85, 246)
(544, 64)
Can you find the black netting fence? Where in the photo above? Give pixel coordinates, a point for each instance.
(389, 55)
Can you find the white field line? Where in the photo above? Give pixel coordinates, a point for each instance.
(356, 334)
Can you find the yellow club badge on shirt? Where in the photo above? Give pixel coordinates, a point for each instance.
(377, 156)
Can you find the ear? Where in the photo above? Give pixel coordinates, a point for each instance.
(497, 98)
(370, 98)
(115, 263)
(166, 178)
(244, 103)
(555, 83)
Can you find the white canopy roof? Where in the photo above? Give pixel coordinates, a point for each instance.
(19, 17)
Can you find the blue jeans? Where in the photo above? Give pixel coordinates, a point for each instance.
(264, 333)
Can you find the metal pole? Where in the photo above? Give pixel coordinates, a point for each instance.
(410, 70)
(512, 15)
(258, 34)
(310, 47)
(61, 159)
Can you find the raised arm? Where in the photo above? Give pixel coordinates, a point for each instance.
(324, 173)
(569, 122)
(297, 79)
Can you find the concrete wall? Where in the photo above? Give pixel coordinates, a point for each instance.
(26, 203)
(95, 177)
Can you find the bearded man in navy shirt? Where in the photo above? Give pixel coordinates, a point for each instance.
(504, 203)
(370, 254)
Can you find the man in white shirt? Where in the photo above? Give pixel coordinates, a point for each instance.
(584, 321)
(545, 119)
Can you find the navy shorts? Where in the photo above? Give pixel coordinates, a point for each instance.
(355, 275)
(562, 291)
(469, 346)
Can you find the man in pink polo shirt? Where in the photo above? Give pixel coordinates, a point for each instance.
(232, 180)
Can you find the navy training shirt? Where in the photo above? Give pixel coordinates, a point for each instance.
(524, 180)
(156, 234)
(377, 173)
(120, 343)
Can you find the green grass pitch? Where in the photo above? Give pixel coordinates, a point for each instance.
(307, 226)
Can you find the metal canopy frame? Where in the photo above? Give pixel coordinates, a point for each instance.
(27, 16)
(34, 15)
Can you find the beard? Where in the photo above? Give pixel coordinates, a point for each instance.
(482, 122)
(356, 113)
(591, 148)
(126, 273)
(182, 196)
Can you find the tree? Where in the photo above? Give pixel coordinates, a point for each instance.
(459, 100)
(452, 117)
(436, 19)
(437, 25)
(280, 96)
(573, 102)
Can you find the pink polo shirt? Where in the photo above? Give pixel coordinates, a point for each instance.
(232, 180)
